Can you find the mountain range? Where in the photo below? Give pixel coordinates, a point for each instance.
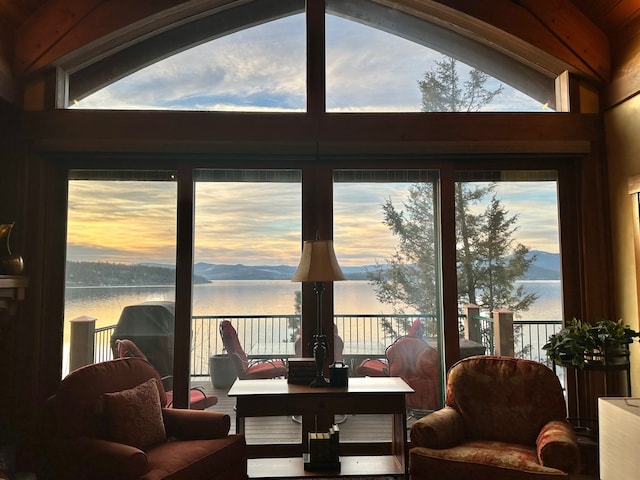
(546, 266)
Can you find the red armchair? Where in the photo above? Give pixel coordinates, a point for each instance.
(107, 421)
(504, 419)
(245, 369)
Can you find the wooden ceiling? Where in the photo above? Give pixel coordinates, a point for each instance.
(581, 33)
(609, 15)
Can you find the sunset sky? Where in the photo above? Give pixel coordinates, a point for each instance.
(263, 69)
(127, 222)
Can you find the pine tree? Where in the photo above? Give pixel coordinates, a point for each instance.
(489, 260)
(441, 90)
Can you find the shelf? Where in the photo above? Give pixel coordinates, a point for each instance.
(350, 466)
(12, 290)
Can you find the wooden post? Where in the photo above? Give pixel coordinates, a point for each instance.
(503, 332)
(82, 342)
(472, 330)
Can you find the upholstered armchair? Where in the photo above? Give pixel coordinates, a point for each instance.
(504, 419)
(107, 421)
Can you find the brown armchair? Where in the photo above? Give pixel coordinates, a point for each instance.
(504, 419)
(108, 421)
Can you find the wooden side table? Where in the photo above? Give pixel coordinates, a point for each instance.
(380, 395)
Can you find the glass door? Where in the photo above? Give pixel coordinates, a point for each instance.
(120, 271)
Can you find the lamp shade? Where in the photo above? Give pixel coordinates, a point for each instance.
(318, 263)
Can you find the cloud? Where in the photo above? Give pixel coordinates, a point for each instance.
(260, 223)
(263, 68)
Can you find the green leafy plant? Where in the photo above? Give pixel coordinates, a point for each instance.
(580, 342)
(608, 331)
(572, 344)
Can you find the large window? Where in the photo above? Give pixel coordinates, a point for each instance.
(387, 240)
(257, 69)
(508, 255)
(121, 252)
(253, 58)
(246, 248)
(412, 223)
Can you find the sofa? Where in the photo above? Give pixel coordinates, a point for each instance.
(108, 421)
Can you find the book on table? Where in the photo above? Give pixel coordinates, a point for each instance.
(301, 371)
(324, 450)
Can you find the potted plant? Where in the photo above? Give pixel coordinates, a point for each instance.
(572, 345)
(613, 339)
(606, 342)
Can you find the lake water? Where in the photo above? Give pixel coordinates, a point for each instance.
(260, 297)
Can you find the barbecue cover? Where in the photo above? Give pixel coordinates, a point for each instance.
(150, 326)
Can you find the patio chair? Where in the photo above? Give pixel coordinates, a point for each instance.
(418, 364)
(198, 400)
(504, 418)
(376, 367)
(245, 369)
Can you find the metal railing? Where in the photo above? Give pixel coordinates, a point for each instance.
(362, 334)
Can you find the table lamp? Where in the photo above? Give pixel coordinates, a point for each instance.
(318, 264)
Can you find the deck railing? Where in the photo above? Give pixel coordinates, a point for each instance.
(273, 335)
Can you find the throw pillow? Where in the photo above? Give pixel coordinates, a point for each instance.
(134, 416)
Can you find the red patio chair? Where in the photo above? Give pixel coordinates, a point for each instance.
(245, 369)
(376, 367)
(417, 363)
(198, 400)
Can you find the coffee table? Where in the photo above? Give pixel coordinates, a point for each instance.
(363, 395)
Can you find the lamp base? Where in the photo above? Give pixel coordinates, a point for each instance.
(319, 354)
(319, 382)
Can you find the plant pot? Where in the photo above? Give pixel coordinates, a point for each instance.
(221, 371)
(616, 354)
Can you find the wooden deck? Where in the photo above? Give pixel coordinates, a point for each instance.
(270, 430)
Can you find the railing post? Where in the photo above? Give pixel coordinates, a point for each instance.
(82, 346)
(503, 332)
(472, 330)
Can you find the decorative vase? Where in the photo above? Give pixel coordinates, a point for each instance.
(9, 264)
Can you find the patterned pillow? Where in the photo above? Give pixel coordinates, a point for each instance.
(134, 416)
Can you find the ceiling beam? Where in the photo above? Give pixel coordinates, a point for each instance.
(304, 134)
(550, 35)
(625, 74)
(575, 32)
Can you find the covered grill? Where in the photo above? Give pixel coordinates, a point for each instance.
(150, 325)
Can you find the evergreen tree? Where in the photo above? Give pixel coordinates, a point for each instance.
(442, 92)
(489, 260)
